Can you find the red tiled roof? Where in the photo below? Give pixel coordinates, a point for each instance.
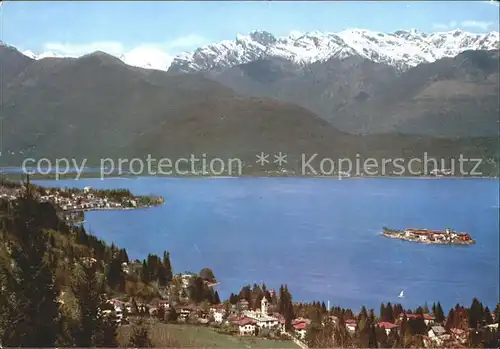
(428, 317)
(387, 325)
(300, 320)
(300, 326)
(245, 321)
(410, 316)
(350, 322)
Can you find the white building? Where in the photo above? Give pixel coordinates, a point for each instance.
(246, 327)
(261, 317)
(218, 316)
(218, 313)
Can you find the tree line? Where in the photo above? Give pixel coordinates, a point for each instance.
(34, 311)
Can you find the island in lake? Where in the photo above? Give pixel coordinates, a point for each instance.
(427, 236)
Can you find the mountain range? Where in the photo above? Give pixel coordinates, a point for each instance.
(401, 49)
(332, 95)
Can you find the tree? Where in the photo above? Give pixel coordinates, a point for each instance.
(383, 315)
(476, 313)
(168, 266)
(286, 307)
(197, 291)
(488, 319)
(115, 275)
(216, 298)
(439, 313)
(372, 337)
(450, 319)
(382, 338)
(426, 308)
(208, 275)
(140, 336)
(417, 326)
(145, 277)
(95, 328)
(404, 332)
(341, 334)
(161, 313)
(171, 315)
(497, 313)
(31, 295)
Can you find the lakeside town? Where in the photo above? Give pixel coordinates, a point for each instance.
(426, 236)
(72, 202)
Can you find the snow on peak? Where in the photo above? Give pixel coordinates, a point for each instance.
(402, 49)
(46, 54)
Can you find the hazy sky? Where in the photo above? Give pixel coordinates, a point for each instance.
(76, 27)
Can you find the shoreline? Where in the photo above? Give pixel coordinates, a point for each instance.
(128, 176)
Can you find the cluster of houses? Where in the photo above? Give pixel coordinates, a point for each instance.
(436, 336)
(85, 200)
(426, 235)
(9, 193)
(247, 322)
(80, 201)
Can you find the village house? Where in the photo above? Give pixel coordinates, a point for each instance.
(492, 327)
(409, 316)
(388, 327)
(429, 319)
(219, 316)
(119, 307)
(162, 304)
(351, 325)
(300, 327)
(184, 311)
(242, 305)
(246, 326)
(186, 279)
(218, 312)
(281, 321)
(300, 330)
(437, 334)
(334, 319)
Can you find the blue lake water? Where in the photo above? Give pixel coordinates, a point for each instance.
(319, 236)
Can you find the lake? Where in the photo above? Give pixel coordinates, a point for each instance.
(319, 236)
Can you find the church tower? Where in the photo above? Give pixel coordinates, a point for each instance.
(263, 306)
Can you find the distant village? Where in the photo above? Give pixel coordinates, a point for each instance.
(72, 202)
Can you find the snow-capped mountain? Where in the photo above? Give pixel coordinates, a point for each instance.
(148, 58)
(33, 55)
(402, 49)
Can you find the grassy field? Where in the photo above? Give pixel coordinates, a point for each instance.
(188, 336)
